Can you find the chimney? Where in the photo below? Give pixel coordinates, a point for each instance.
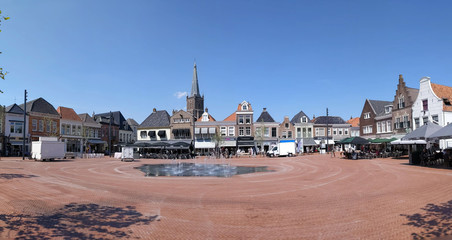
(265, 109)
(154, 110)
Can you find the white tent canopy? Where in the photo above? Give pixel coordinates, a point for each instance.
(408, 142)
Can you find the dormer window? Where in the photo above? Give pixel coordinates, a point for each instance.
(205, 117)
(446, 102)
(388, 109)
(366, 115)
(304, 119)
(244, 107)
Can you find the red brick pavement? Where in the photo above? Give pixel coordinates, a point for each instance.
(307, 197)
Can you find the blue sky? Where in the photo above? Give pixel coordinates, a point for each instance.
(287, 56)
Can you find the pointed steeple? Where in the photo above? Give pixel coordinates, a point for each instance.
(194, 83)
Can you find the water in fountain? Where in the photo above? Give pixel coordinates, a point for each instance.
(211, 166)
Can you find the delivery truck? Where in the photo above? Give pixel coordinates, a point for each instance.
(127, 154)
(47, 148)
(283, 148)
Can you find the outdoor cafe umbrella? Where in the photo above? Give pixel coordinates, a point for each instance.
(443, 133)
(354, 140)
(422, 132)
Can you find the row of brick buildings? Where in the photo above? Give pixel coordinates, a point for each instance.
(195, 127)
(409, 109)
(239, 131)
(80, 132)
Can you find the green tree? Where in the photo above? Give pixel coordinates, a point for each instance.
(2, 73)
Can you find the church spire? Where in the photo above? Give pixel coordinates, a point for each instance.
(194, 83)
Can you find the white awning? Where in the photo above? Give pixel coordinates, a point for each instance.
(212, 130)
(204, 130)
(204, 145)
(228, 144)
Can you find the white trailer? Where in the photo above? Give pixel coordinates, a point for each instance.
(283, 148)
(47, 148)
(127, 154)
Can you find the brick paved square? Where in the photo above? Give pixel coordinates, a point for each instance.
(306, 197)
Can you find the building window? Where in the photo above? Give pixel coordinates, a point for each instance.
(16, 127)
(289, 134)
(425, 105)
(320, 131)
(284, 134)
(248, 131)
(34, 125)
(367, 115)
(340, 131)
(309, 132)
(334, 131)
(383, 127)
(406, 123)
(401, 102)
(48, 125)
(223, 131)
(435, 119)
(63, 129)
(54, 127)
(388, 109)
(41, 125)
(248, 119)
(231, 131)
(346, 131)
(397, 123)
(241, 119)
(244, 107)
(367, 129)
(378, 127)
(304, 119)
(266, 132)
(416, 122)
(274, 132)
(258, 132)
(79, 130)
(298, 132)
(286, 125)
(241, 133)
(73, 130)
(205, 117)
(425, 120)
(143, 134)
(68, 129)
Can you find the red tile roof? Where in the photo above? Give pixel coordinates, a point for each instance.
(68, 114)
(443, 92)
(231, 118)
(354, 122)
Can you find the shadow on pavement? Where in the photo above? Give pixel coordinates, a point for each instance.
(76, 221)
(15, 175)
(435, 222)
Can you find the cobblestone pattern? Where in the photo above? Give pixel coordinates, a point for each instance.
(307, 197)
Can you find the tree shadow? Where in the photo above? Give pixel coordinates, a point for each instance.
(435, 222)
(76, 221)
(15, 175)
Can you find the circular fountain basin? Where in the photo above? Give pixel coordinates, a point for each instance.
(198, 170)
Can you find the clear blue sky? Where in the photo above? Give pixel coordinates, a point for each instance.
(286, 56)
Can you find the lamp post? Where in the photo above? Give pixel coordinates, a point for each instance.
(25, 124)
(327, 130)
(109, 134)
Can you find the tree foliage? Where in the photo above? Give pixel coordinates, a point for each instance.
(2, 73)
